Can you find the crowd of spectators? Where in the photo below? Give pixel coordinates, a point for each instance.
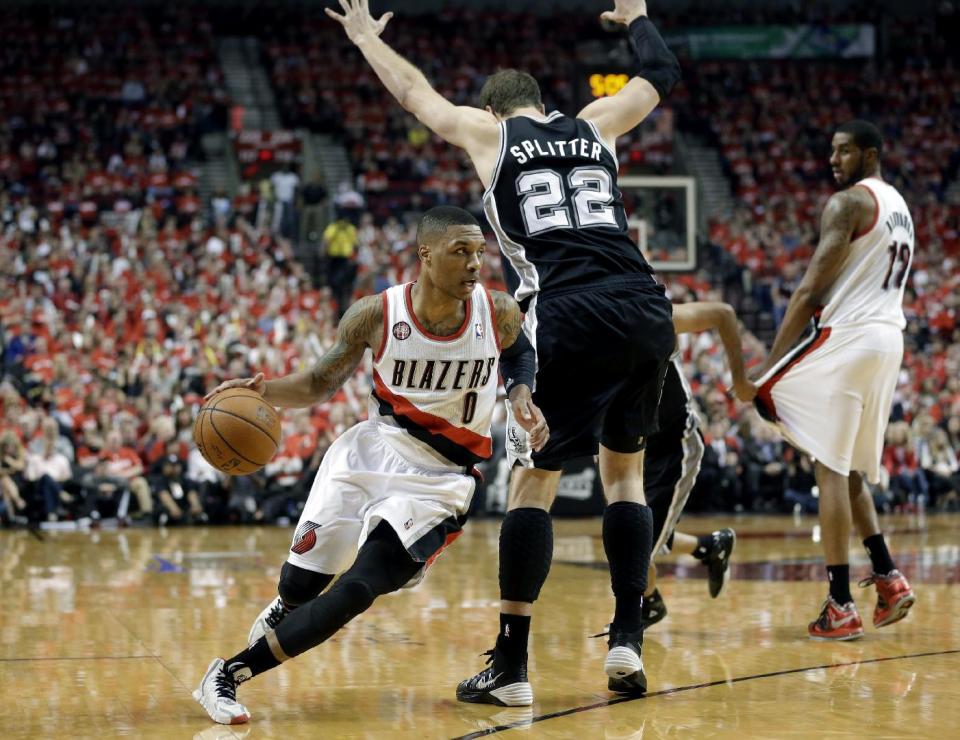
(101, 113)
(123, 299)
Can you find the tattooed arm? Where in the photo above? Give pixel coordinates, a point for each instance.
(360, 327)
(845, 213)
(508, 317)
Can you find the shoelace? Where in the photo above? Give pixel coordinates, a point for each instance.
(226, 687)
(868, 581)
(276, 614)
(489, 654)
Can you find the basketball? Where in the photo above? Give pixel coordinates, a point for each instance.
(237, 431)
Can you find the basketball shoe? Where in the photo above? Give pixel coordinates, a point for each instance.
(267, 620)
(506, 686)
(894, 597)
(836, 622)
(218, 695)
(653, 609)
(624, 663)
(717, 559)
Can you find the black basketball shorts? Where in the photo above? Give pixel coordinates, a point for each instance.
(670, 468)
(602, 352)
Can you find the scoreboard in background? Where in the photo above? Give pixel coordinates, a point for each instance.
(600, 81)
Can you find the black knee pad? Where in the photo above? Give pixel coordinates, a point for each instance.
(526, 549)
(298, 585)
(383, 563)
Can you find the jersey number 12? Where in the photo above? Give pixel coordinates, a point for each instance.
(545, 203)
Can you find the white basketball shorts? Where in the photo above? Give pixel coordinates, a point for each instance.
(831, 395)
(363, 481)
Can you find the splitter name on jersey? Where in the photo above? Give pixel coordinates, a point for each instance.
(579, 147)
(442, 375)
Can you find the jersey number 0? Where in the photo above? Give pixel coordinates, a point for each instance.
(544, 204)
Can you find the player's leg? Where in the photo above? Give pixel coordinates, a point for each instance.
(383, 565)
(526, 550)
(296, 587)
(894, 594)
(627, 542)
(838, 619)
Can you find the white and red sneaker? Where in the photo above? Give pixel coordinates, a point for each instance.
(836, 622)
(894, 597)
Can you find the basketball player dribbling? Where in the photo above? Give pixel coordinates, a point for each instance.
(393, 491)
(831, 393)
(593, 312)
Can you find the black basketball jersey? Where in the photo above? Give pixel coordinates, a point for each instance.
(556, 208)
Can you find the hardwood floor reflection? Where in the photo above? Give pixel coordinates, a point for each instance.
(106, 633)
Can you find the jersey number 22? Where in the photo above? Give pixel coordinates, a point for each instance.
(545, 203)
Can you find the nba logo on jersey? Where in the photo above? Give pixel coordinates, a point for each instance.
(401, 330)
(478, 330)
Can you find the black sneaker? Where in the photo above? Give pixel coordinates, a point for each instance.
(653, 609)
(624, 664)
(500, 684)
(717, 559)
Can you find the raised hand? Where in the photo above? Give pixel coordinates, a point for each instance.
(624, 11)
(357, 21)
(256, 383)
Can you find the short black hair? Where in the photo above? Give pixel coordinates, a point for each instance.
(865, 134)
(509, 89)
(437, 220)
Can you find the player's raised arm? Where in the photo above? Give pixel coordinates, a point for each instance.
(719, 317)
(469, 128)
(518, 366)
(657, 72)
(844, 214)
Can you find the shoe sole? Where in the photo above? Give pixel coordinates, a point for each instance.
(726, 570)
(238, 720)
(899, 611)
(633, 685)
(624, 669)
(621, 663)
(841, 638)
(518, 694)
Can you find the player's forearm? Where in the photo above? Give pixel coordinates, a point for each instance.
(397, 74)
(295, 391)
(730, 336)
(799, 311)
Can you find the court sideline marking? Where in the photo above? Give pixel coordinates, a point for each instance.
(678, 689)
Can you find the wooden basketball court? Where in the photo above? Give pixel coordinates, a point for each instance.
(107, 633)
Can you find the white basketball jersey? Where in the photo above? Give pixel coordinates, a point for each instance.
(438, 392)
(870, 286)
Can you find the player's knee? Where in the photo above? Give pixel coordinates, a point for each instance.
(526, 550)
(297, 585)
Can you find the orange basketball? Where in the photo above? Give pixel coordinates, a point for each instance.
(237, 431)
